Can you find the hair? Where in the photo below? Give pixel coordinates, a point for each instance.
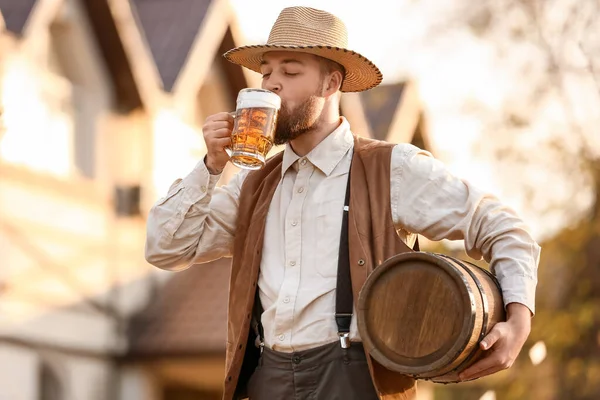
(328, 66)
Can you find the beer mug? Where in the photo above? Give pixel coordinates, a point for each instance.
(255, 119)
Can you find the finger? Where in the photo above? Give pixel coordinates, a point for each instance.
(220, 133)
(490, 361)
(214, 125)
(222, 116)
(491, 338)
(221, 143)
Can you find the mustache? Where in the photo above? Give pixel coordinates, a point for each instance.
(285, 108)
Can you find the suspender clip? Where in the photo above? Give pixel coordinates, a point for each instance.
(344, 339)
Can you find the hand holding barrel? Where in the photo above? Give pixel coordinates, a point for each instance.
(217, 135)
(503, 344)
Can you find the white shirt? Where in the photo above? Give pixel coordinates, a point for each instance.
(196, 223)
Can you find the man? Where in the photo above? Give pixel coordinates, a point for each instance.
(282, 226)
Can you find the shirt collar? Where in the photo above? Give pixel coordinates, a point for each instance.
(327, 154)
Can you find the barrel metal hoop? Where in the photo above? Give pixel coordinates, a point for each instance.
(485, 309)
(488, 273)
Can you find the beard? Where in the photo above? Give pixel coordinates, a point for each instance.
(292, 123)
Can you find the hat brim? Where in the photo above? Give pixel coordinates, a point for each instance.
(361, 73)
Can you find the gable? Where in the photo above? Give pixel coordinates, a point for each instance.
(380, 105)
(16, 13)
(170, 28)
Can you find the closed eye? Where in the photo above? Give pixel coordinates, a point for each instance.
(266, 75)
(292, 74)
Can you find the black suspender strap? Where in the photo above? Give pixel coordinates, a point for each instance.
(343, 291)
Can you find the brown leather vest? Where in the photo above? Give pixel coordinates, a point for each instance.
(372, 239)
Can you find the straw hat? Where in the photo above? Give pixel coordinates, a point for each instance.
(307, 30)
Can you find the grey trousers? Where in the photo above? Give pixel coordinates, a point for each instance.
(325, 372)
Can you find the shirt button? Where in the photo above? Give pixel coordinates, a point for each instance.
(294, 223)
(303, 162)
(292, 263)
(282, 337)
(203, 188)
(286, 300)
(301, 190)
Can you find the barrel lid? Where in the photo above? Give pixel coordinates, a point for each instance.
(415, 313)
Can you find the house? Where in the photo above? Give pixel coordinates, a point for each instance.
(92, 113)
(72, 116)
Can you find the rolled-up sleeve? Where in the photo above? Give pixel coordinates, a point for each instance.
(427, 199)
(195, 222)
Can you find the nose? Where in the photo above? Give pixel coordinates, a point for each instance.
(272, 85)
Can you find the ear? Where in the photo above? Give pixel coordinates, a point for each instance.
(334, 83)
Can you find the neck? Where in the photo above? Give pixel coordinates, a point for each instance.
(304, 144)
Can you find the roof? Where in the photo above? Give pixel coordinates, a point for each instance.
(127, 95)
(170, 28)
(16, 13)
(188, 317)
(380, 105)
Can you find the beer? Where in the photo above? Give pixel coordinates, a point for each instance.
(252, 136)
(254, 127)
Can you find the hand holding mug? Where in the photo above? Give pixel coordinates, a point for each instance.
(217, 134)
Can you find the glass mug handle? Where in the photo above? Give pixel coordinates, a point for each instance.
(228, 149)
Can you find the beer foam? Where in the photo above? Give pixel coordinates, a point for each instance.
(258, 98)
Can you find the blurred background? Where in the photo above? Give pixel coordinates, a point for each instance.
(102, 103)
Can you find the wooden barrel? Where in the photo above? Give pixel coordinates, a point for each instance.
(424, 314)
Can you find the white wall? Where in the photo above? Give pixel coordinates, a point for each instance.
(88, 379)
(138, 384)
(18, 373)
(79, 377)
